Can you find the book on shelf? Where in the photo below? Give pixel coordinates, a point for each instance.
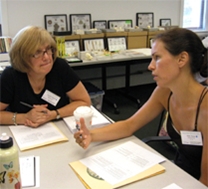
(28, 137)
(98, 120)
(117, 166)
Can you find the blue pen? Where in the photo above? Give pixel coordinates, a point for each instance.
(77, 126)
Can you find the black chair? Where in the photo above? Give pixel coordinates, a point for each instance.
(161, 142)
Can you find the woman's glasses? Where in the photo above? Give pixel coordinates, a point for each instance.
(40, 54)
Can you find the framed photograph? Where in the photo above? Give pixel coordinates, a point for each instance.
(56, 22)
(72, 47)
(145, 19)
(95, 44)
(119, 24)
(165, 22)
(80, 22)
(116, 43)
(99, 24)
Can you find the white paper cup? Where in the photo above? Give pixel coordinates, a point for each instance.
(86, 113)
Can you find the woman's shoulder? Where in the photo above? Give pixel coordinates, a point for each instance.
(161, 94)
(9, 70)
(61, 61)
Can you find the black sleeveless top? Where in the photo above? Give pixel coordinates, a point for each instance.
(188, 156)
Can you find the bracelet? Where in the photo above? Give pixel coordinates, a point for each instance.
(57, 115)
(14, 118)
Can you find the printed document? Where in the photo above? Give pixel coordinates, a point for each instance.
(122, 162)
(28, 137)
(98, 120)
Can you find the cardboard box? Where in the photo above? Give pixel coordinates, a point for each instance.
(116, 34)
(68, 37)
(151, 35)
(137, 40)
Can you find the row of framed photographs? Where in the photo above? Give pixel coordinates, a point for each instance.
(96, 44)
(58, 22)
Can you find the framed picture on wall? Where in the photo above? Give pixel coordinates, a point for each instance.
(95, 44)
(116, 43)
(99, 24)
(80, 22)
(165, 22)
(56, 22)
(145, 19)
(72, 47)
(119, 24)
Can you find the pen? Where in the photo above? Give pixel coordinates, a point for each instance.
(26, 104)
(77, 126)
(30, 106)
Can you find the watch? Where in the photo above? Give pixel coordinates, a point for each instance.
(57, 115)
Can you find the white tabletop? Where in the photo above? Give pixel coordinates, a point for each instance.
(128, 55)
(55, 172)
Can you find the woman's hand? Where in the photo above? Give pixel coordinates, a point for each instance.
(38, 115)
(83, 136)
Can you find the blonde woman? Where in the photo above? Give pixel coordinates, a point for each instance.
(39, 86)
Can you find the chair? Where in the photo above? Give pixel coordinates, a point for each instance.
(161, 142)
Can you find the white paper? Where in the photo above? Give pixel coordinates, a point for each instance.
(172, 186)
(30, 171)
(98, 120)
(122, 162)
(27, 137)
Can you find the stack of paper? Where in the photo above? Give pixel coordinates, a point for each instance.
(28, 137)
(118, 166)
(98, 120)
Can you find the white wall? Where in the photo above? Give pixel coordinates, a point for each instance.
(19, 13)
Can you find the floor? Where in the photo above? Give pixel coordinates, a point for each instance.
(127, 107)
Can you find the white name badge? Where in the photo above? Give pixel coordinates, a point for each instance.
(191, 138)
(50, 97)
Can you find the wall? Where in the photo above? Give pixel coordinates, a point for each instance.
(19, 13)
(16, 14)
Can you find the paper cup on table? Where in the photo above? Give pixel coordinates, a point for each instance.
(86, 113)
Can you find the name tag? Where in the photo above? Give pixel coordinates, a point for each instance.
(191, 138)
(50, 97)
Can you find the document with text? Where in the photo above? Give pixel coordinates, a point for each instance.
(121, 162)
(28, 137)
(98, 120)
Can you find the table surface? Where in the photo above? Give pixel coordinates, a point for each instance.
(55, 172)
(119, 57)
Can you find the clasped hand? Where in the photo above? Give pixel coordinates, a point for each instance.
(83, 136)
(38, 115)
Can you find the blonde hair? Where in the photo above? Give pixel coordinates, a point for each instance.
(25, 43)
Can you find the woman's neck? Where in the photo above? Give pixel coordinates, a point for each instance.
(37, 83)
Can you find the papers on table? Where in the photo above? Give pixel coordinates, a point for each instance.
(28, 137)
(122, 162)
(30, 171)
(120, 165)
(98, 120)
